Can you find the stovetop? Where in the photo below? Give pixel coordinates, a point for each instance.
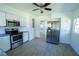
(16, 33)
(13, 32)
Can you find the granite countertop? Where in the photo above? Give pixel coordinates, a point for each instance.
(23, 31)
(1, 35)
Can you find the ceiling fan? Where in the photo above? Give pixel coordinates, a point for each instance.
(42, 7)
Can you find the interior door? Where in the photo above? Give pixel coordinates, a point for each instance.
(42, 30)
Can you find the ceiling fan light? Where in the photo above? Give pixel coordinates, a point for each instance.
(41, 11)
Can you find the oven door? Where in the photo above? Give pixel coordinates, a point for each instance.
(16, 38)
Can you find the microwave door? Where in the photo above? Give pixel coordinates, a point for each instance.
(9, 24)
(12, 23)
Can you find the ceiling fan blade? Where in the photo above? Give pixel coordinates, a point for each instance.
(46, 4)
(49, 9)
(35, 9)
(36, 4)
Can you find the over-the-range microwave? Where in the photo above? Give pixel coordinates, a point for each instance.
(12, 23)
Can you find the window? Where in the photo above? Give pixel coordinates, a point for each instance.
(76, 25)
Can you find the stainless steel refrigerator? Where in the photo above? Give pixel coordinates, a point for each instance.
(53, 32)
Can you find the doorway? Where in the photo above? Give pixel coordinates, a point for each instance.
(43, 30)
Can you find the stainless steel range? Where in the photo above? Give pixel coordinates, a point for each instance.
(16, 38)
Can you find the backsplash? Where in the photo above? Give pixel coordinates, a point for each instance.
(2, 30)
(23, 29)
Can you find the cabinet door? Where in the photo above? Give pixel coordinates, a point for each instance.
(9, 16)
(2, 19)
(25, 37)
(5, 43)
(17, 18)
(23, 21)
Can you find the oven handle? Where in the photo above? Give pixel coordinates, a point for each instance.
(17, 35)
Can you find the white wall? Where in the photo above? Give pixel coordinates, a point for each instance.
(75, 42)
(2, 30)
(65, 30)
(74, 36)
(37, 25)
(31, 29)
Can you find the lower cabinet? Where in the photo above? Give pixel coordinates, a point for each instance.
(5, 42)
(25, 36)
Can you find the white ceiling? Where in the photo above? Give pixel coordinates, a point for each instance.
(56, 7)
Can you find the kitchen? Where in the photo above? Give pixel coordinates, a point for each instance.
(11, 26)
(24, 30)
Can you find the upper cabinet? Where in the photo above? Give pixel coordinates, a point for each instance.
(12, 17)
(9, 16)
(23, 21)
(2, 19)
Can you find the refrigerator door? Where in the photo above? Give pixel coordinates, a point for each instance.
(55, 36)
(55, 32)
(49, 35)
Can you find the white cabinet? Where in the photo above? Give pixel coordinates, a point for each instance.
(5, 43)
(23, 21)
(12, 17)
(9, 16)
(2, 19)
(25, 36)
(17, 18)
